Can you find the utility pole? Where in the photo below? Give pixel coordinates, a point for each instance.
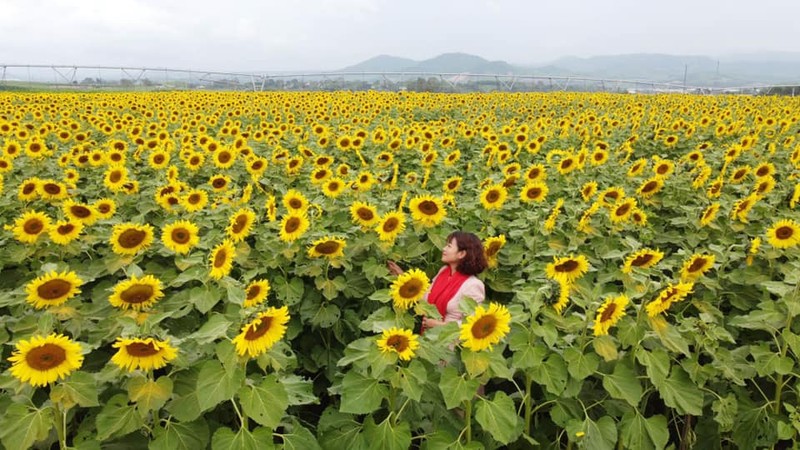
(685, 70)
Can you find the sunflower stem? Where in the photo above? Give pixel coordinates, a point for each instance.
(528, 403)
(61, 425)
(468, 420)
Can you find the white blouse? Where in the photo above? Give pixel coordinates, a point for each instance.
(472, 287)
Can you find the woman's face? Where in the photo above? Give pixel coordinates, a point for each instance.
(451, 254)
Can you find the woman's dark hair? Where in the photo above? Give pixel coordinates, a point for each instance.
(475, 261)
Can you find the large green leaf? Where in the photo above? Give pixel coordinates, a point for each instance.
(117, 418)
(656, 364)
(552, 374)
(387, 435)
(80, 388)
(456, 388)
(225, 439)
(289, 292)
(215, 327)
(361, 394)
(623, 384)
(216, 384)
(21, 426)
(297, 437)
(149, 394)
(411, 380)
(181, 436)
(680, 393)
(266, 402)
(580, 365)
(599, 435)
(499, 418)
(644, 433)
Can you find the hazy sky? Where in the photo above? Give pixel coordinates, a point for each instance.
(267, 35)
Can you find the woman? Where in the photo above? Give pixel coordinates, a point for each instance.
(464, 259)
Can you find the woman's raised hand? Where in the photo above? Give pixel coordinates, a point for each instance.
(394, 269)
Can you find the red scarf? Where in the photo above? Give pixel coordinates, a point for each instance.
(444, 288)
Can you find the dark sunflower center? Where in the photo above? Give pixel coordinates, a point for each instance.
(54, 289)
(115, 176)
(65, 229)
(104, 208)
(292, 225)
(623, 209)
(253, 291)
(641, 260)
(158, 159)
(257, 165)
(739, 174)
(452, 185)
(295, 203)
(762, 171)
(45, 357)
(411, 288)
(484, 327)
(256, 331)
(365, 214)
(697, 264)
(219, 183)
(223, 157)
(784, 233)
(650, 186)
(220, 258)
(428, 207)
(534, 193)
(598, 156)
(138, 293)
(662, 169)
(80, 212)
(493, 248)
(180, 235)
(141, 349)
(320, 175)
(492, 196)
(397, 342)
(131, 238)
(533, 174)
(390, 225)
(28, 188)
(33, 226)
(52, 188)
(327, 247)
(608, 312)
(566, 164)
(240, 223)
(333, 187)
(567, 266)
(194, 161)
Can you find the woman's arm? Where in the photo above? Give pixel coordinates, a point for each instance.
(394, 269)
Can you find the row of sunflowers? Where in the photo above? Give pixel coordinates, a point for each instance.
(191, 270)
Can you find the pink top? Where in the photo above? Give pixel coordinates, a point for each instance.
(472, 288)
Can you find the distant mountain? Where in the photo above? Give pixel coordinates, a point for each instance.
(766, 67)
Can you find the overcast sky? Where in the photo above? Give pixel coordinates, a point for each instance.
(267, 35)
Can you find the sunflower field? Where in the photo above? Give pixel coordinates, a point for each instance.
(209, 270)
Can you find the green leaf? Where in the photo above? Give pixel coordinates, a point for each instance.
(225, 439)
(236, 294)
(80, 388)
(725, 410)
(623, 384)
(387, 435)
(181, 436)
(297, 437)
(656, 364)
(185, 405)
(552, 374)
(266, 402)
(217, 385)
(339, 431)
(360, 394)
(605, 347)
(117, 418)
(299, 390)
(680, 393)
(456, 388)
(412, 380)
(640, 433)
(215, 327)
(476, 363)
(499, 418)
(526, 353)
(289, 292)
(580, 365)
(327, 315)
(21, 426)
(600, 435)
(149, 394)
(204, 298)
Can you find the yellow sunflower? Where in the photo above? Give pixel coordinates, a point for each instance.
(293, 226)
(333, 187)
(142, 354)
(295, 201)
(452, 184)
(622, 211)
(365, 181)
(550, 222)
(567, 269)
(741, 208)
(224, 158)
(588, 190)
(52, 190)
(65, 231)
(257, 291)
(28, 227)
(795, 197)
(401, 341)
(491, 247)
(53, 289)
(327, 247)
(486, 327)
(408, 288)
(262, 333)
(319, 175)
(240, 224)
(363, 214)
(136, 293)
(86, 214)
(784, 234)
(493, 196)
(194, 200)
(180, 236)
(221, 259)
(391, 225)
(611, 196)
(650, 187)
(105, 208)
(427, 210)
(271, 208)
(115, 178)
(642, 259)
(219, 183)
(663, 169)
(709, 214)
(28, 190)
(131, 238)
(671, 294)
(43, 360)
(534, 192)
(696, 266)
(637, 167)
(609, 313)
